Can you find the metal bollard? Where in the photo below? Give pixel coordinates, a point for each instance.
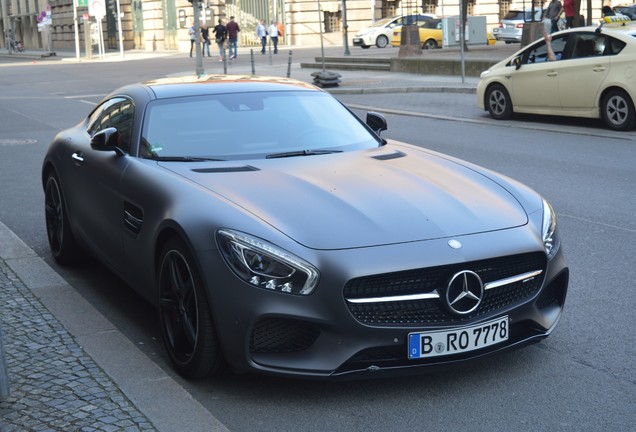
(4, 376)
(252, 61)
(289, 62)
(224, 62)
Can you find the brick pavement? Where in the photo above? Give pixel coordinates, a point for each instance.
(54, 384)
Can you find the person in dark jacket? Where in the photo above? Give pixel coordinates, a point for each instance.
(233, 30)
(220, 33)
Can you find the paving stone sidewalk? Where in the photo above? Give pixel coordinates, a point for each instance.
(54, 384)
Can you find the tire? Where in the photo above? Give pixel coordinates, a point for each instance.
(382, 41)
(498, 102)
(430, 44)
(62, 244)
(185, 317)
(617, 110)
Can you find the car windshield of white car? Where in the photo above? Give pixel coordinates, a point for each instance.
(251, 125)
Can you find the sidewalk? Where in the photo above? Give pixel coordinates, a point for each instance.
(69, 368)
(351, 81)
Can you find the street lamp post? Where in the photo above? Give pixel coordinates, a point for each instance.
(196, 7)
(345, 36)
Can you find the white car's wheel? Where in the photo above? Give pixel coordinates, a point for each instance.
(382, 41)
(498, 102)
(617, 110)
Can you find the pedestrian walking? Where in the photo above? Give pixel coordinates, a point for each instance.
(273, 35)
(233, 30)
(261, 33)
(220, 33)
(553, 13)
(205, 35)
(568, 8)
(193, 37)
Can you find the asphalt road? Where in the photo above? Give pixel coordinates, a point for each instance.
(580, 378)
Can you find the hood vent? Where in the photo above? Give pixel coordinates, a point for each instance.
(393, 155)
(244, 168)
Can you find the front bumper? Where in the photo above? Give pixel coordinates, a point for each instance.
(322, 336)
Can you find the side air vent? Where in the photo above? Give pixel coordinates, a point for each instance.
(133, 218)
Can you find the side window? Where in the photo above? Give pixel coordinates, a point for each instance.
(588, 45)
(117, 113)
(614, 46)
(538, 53)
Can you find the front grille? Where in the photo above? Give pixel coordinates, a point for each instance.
(426, 280)
(281, 335)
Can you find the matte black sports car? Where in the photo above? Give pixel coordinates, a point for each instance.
(278, 233)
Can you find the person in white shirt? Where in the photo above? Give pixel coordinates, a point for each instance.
(273, 35)
(261, 32)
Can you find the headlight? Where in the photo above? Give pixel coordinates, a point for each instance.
(549, 233)
(484, 74)
(266, 266)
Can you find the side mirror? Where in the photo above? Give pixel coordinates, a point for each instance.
(517, 62)
(107, 140)
(376, 122)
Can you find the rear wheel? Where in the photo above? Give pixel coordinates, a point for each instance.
(63, 246)
(617, 110)
(382, 41)
(498, 102)
(430, 44)
(185, 316)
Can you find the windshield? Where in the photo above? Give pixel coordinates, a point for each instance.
(251, 125)
(382, 22)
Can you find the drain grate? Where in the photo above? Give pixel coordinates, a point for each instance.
(17, 141)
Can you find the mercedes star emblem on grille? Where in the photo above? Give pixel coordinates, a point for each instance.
(464, 292)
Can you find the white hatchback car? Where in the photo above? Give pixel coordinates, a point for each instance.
(381, 32)
(593, 76)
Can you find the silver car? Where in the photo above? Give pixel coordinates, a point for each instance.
(511, 26)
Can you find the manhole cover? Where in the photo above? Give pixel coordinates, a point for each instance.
(17, 141)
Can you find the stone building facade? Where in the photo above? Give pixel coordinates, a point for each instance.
(159, 25)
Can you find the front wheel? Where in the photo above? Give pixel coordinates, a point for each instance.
(63, 246)
(382, 41)
(185, 316)
(617, 110)
(498, 102)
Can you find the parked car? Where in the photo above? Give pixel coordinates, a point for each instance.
(277, 233)
(627, 9)
(430, 30)
(381, 32)
(593, 77)
(511, 26)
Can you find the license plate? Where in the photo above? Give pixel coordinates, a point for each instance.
(460, 340)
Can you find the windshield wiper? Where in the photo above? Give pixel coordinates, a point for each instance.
(301, 153)
(184, 159)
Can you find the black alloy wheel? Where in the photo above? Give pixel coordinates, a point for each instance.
(61, 241)
(186, 321)
(617, 110)
(498, 102)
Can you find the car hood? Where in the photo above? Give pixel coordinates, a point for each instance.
(362, 198)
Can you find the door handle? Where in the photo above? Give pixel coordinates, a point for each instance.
(598, 68)
(77, 157)
(552, 73)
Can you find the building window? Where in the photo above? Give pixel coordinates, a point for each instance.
(471, 7)
(504, 7)
(389, 8)
(429, 6)
(332, 22)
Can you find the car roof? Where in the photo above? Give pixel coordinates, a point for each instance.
(192, 85)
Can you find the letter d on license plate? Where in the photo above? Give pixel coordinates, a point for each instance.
(459, 340)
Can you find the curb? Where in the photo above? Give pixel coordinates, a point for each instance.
(150, 390)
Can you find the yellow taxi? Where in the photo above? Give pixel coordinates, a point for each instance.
(430, 33)
(590, 73)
